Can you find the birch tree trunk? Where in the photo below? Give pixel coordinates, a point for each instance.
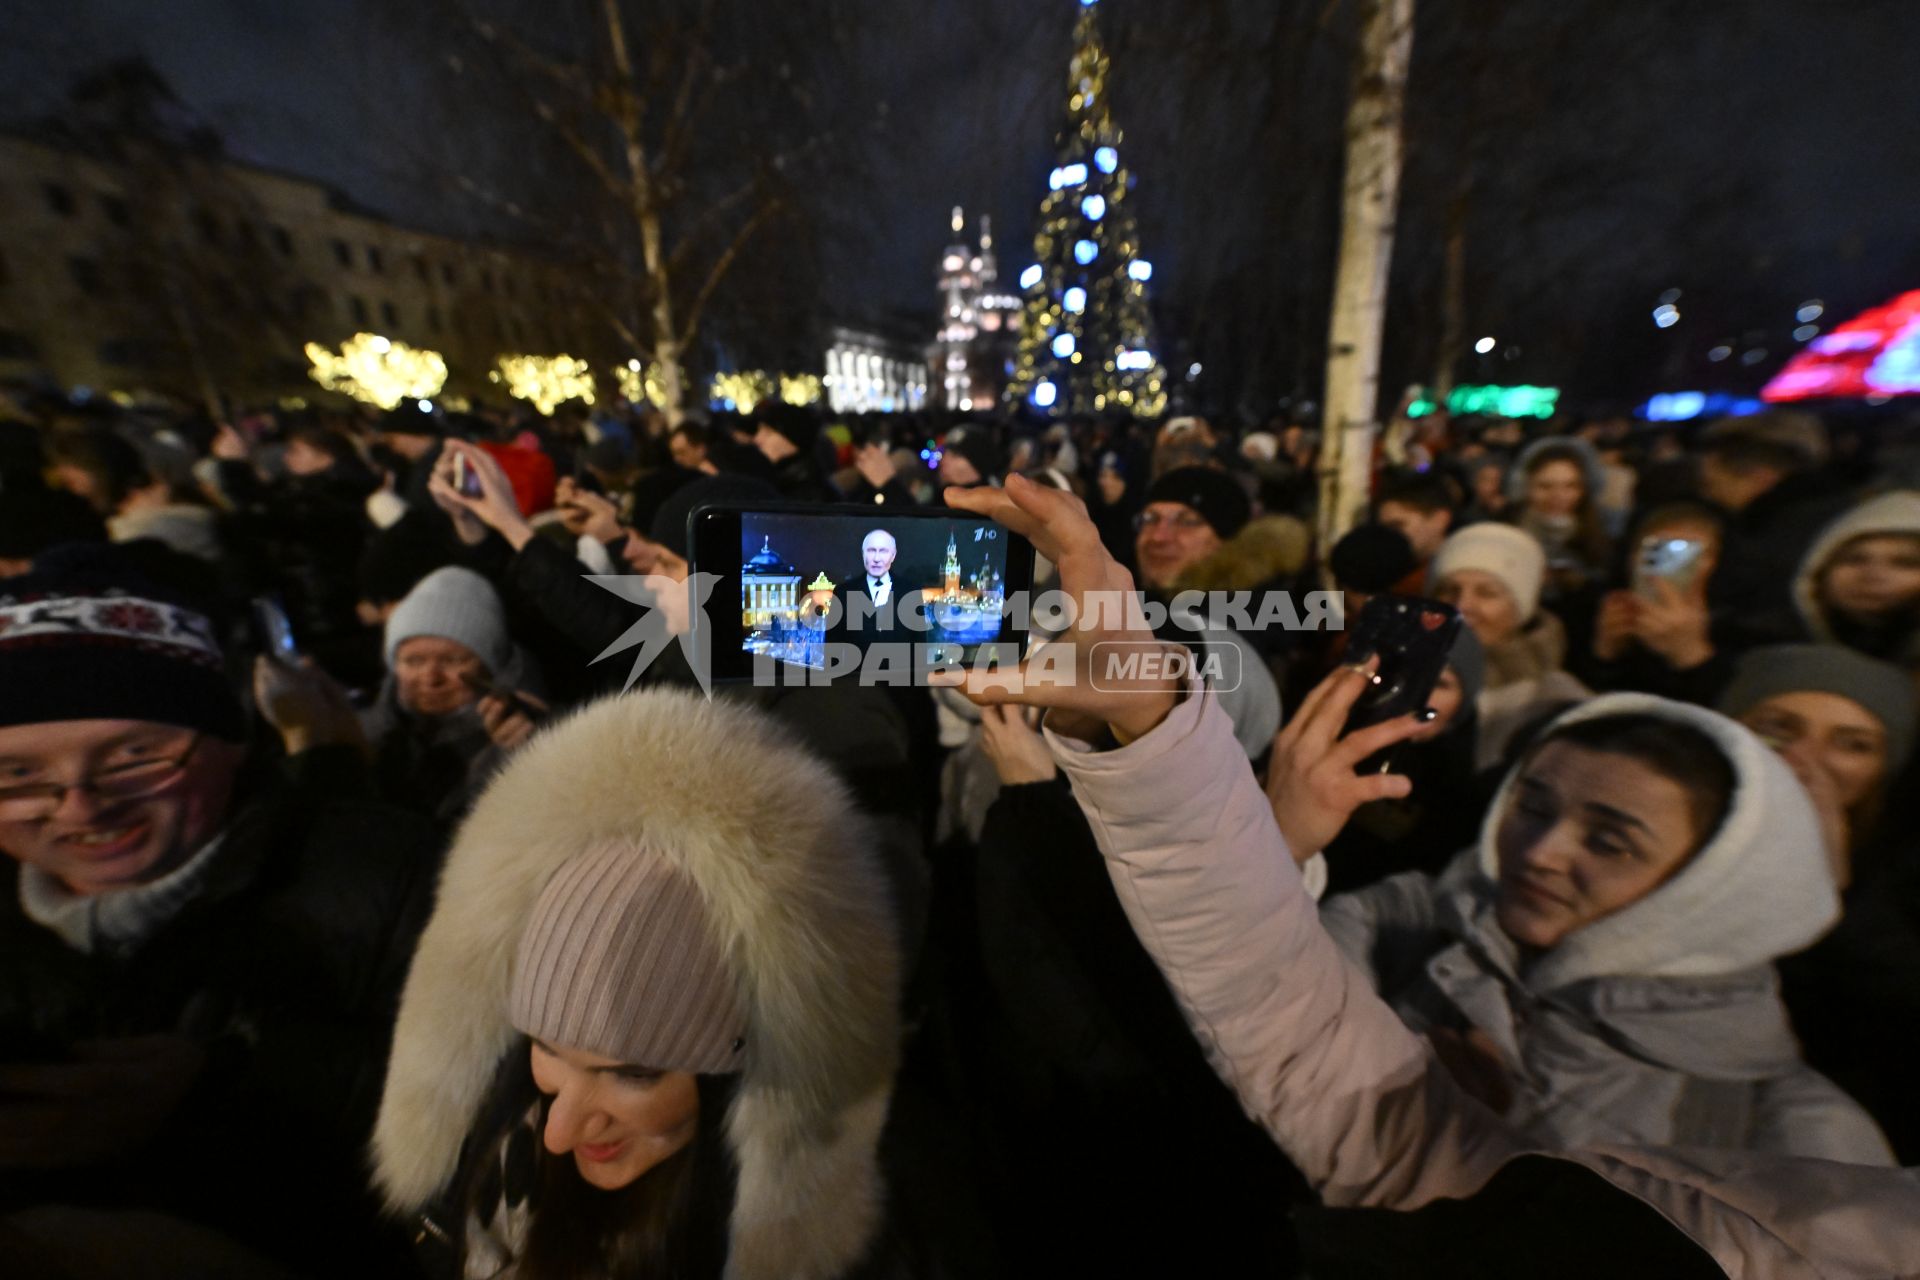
(1375, 145)
(668, 343)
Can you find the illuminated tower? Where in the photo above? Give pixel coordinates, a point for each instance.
(1086, 341)
(952, 568)
(974, 347)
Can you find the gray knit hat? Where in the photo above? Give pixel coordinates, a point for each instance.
(619, 959)
(1880, 687)
(454, 604)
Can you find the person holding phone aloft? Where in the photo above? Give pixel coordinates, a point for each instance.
(1656, 634)
(456, 698)
(1358, 1101)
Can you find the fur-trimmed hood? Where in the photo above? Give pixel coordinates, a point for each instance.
(1533, 651)
(787, 870)
(1578, 451)
(1268, 547)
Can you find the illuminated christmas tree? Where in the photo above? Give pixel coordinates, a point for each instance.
(1086, 335)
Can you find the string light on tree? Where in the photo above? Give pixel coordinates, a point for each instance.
(376, 370)
(743, 390)
(546, 382)
(1086, 339)
(800, 388)
(641, 384)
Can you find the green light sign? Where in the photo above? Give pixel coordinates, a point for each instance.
(1500, 402)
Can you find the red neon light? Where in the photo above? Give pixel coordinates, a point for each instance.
(1874, 354)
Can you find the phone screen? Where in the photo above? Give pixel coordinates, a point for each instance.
(275, 630)
(808, 587)
(1674, 560)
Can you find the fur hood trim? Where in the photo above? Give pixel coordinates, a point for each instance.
(1580, 452)
(1530, 653)
(1268, 547)
(788, 871)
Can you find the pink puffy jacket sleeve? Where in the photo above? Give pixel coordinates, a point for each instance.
(1346, 1090)
(1313, 1054)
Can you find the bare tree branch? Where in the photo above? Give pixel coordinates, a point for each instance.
(691, 325)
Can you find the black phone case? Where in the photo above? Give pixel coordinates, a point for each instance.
(1413, 638)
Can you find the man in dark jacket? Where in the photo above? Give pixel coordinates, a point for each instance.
(201, 946)
(1766, 472)
(799, 455)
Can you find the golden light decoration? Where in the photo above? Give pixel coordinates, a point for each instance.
(745, 389)
(378, 370)
(642, 384)
(800, 388)
(547, 382)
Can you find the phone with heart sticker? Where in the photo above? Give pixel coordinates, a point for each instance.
(1413, 638)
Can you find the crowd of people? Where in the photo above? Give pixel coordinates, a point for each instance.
(362, 921)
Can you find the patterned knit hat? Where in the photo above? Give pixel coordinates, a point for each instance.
(619, 959)
(87, 637)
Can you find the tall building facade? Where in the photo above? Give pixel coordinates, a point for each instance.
(869, 372)
(971, 357)
(296, 261)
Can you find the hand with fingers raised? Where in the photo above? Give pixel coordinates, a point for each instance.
(1061, 677)
(511, 718)
(1311, 781)
(495, 508)
(1011, 738)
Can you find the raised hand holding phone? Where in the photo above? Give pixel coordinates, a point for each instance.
(305, 706)
(510, 718)
(1312, 780)
(1675, 623)
(464, 466)
(1108, 619)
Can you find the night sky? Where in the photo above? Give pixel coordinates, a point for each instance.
(1756, 153)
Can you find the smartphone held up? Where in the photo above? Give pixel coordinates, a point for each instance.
(1674, 561)
(273, 631)
(847, 593)
(1413, 639)
(466, 478)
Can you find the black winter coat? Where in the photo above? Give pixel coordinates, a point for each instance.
(287, 969)
(1854, 997)
(1119, 1152)
(1751, 590)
